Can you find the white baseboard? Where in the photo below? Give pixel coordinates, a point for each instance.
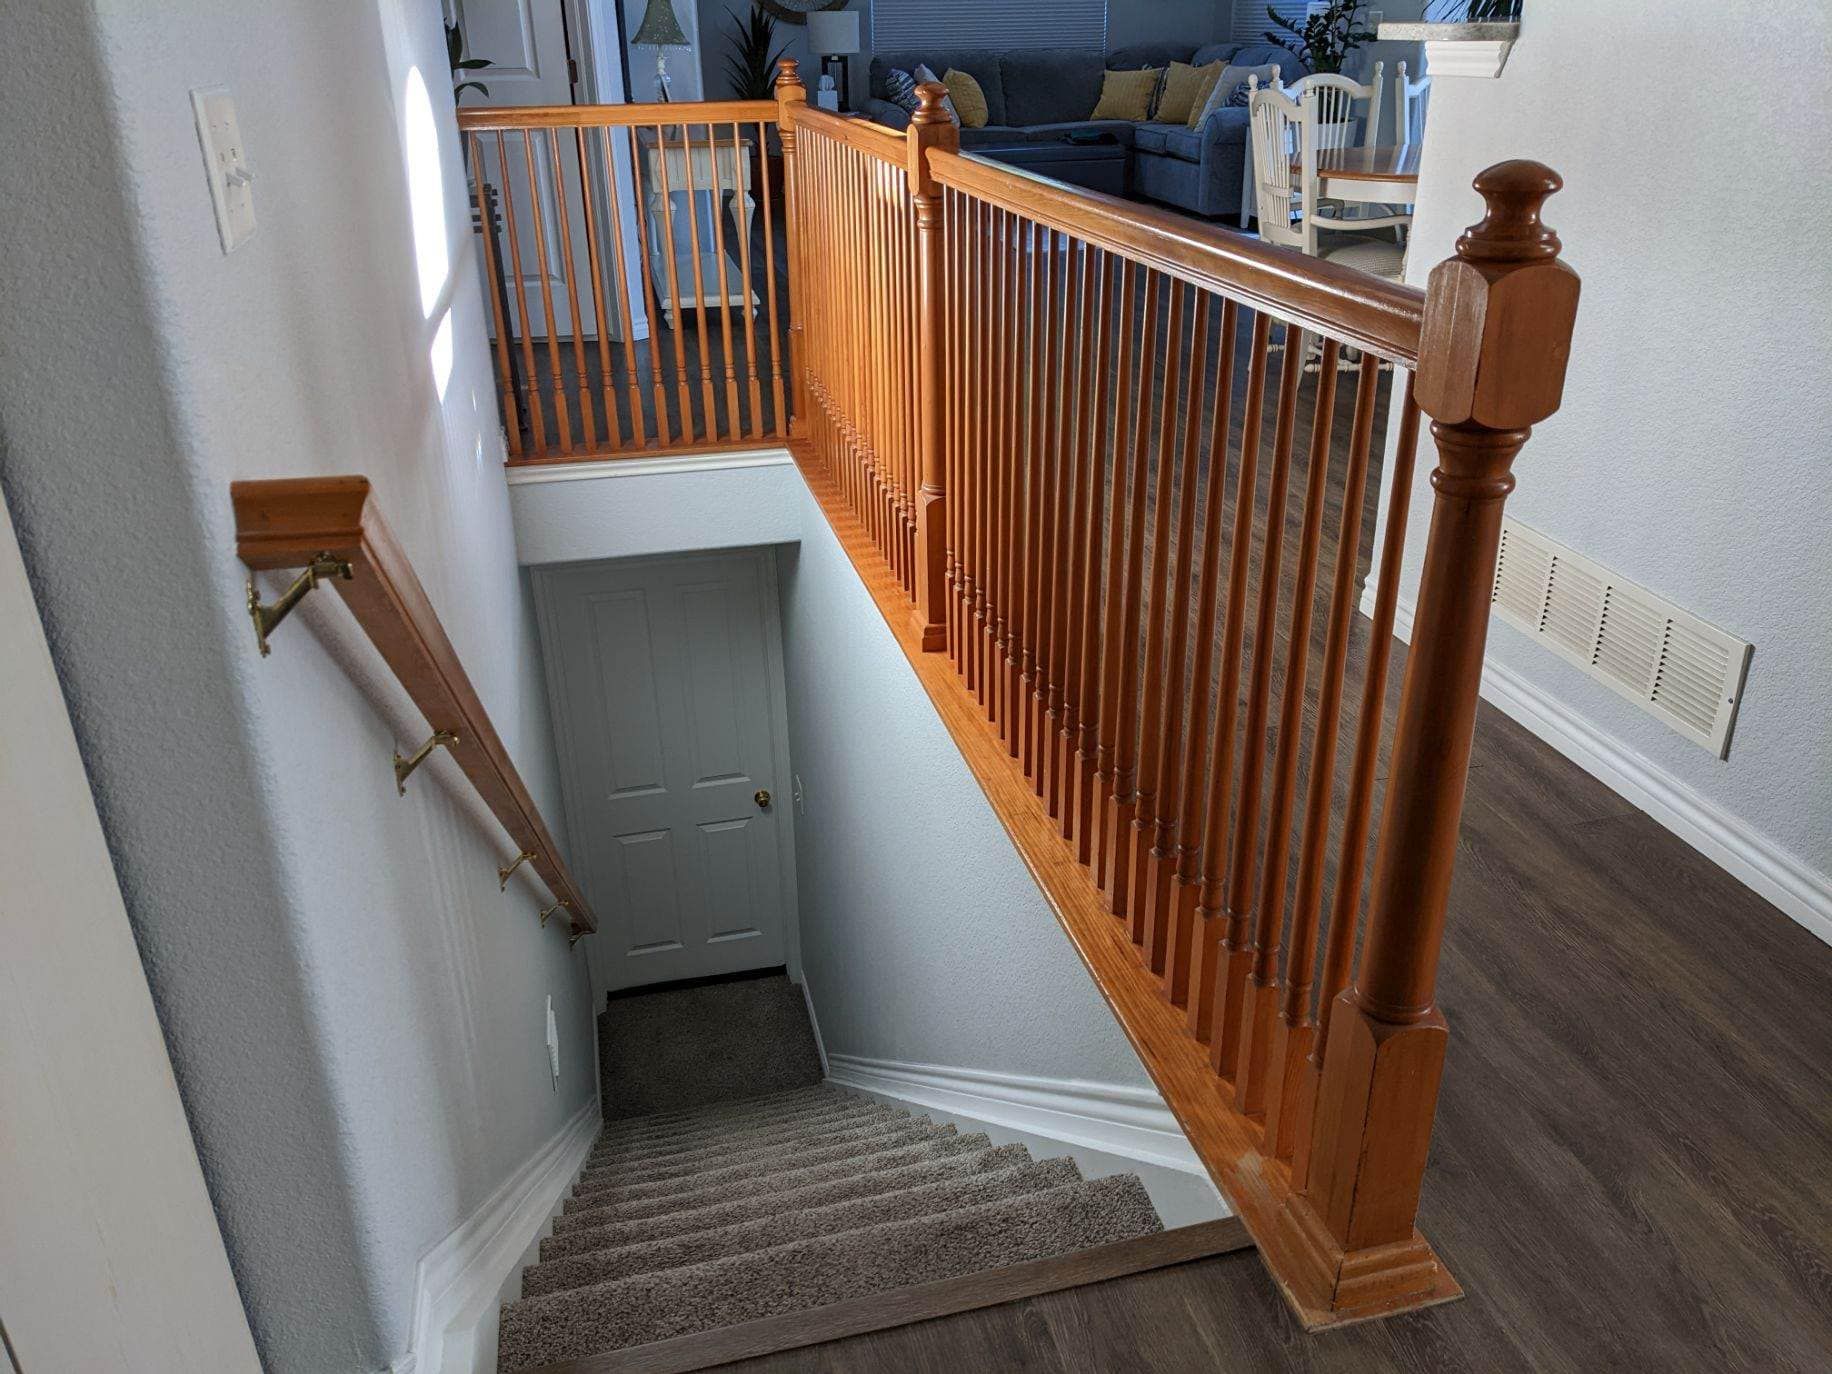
(1131, 1122)
(649, 467)
(1750, 857)
(814, 1024)
(458, 1281)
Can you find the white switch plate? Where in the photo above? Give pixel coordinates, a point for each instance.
(553, 1043)
(226, 163)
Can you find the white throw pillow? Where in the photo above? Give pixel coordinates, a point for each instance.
(1230, 89)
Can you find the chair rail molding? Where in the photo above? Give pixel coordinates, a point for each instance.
(458, 1281)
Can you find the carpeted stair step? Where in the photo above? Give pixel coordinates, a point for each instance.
(876, 1183)
(597, 1266)
(813, 1273)
(783, 1152)
(697, 1135)
(892, 1157)
(715, 1114)
(824, 1123)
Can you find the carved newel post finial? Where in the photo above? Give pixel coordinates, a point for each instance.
(788, 80)
(1493, 341)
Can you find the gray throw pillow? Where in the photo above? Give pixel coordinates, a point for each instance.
(900, 86)
(925, 75)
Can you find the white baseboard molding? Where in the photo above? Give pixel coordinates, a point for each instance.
(649, 467)
(814, 1024)
(1130, 1122)
(458, 1281)
(1750, 857)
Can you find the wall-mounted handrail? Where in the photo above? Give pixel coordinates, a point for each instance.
(297, 522)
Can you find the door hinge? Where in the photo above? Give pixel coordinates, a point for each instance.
(572, 71)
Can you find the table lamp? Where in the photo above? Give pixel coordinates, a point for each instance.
(834, 36)
(660, 29)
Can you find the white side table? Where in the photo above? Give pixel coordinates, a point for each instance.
(714, 169)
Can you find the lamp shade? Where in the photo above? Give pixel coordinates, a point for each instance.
(834, 33)
(660, 28)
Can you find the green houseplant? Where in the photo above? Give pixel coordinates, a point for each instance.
(751, 64)
(454, 52)
(1321, 41)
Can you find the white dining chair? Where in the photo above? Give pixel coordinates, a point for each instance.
(1337, 97)
(1410, 99)
(1282, 131)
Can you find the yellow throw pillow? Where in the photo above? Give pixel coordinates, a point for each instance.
(1185, 88)
(969, 100)
(1127, 95)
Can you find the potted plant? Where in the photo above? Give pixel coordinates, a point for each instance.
(1323, 39)
(750, 66)
(454, 52)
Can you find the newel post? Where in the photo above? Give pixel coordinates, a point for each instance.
(791, 100)
(1493, 344)
(930, 127)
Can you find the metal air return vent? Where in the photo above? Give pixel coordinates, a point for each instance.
(1673, 665)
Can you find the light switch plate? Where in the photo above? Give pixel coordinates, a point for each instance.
(226, 164)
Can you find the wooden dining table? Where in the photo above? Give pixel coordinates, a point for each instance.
(1388, 175)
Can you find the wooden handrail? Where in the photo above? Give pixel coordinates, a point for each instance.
(479, 119)
(293, 523)
(1366, 312)
(872, 139)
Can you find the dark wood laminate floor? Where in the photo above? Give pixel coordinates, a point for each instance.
(1633, 1161)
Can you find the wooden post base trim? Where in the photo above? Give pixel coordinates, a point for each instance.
(1230, 1146)
(1341, 1287)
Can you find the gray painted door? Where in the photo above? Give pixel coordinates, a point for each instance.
(666, 684)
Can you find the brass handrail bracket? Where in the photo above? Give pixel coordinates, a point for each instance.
(266, 616)
(559, 905)
(403, 768)
(506, 873)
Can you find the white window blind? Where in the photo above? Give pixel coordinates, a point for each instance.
(1002, 24)
(1251, 23)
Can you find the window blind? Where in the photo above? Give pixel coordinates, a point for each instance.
(1250, 21)
(988, 24)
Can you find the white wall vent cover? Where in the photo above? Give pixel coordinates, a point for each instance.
(1673, 665)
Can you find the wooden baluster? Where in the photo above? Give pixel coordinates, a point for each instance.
(557, 380)
(1078, 459)
(1293, 1032)
(1046, 387)
(613, 427)
(1036, 287)
(1183, 847)
(1493, 343)
(587, 419)
(1259, 1011)
(537, 425)
(753, 377)
(1155, 842)
(1158, 611)
(505, 375)
(779, 420)
(733, 425)
(984, 608)
(1207, 970)
(1114, 648)
(951, 256)
(1242, 870)
(1345, 907)
(791, 98)
(1093, 538)
(671, 264)
(1038, 573)
(996, 340)
(651, 294)
(620, 277)
(708, 401)
(1010, 597)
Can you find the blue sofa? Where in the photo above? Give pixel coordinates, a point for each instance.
(1043, 94)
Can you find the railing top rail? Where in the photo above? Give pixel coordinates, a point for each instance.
(291, 522)
(518, 117)
(1380, 316)
(872, 139)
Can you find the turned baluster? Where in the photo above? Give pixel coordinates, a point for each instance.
(1494, 338)
(1118, 454)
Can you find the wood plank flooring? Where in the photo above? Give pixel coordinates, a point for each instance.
(1633, 1161)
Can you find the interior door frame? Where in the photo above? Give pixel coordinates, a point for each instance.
(776, 685)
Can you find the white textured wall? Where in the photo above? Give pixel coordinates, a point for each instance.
(924, 937)
(355, 1014)
(1691, 451)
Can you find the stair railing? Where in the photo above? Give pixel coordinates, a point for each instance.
(331, 528)
(1023, 406)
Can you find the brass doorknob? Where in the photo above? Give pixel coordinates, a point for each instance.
(763, 797)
